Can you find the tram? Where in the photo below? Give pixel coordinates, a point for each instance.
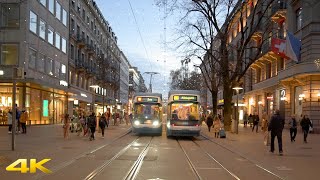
(147, 113)
(183, 117)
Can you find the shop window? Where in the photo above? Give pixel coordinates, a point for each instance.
(44, 2)
(57, 42)
(50, 35)
(9, 54)
(32, 58)
(10, 15)
(33, 22)
(63, 45)
(40, 62)
(58, 11)
(51, 6)
(64, 17)
(42, 29)
(49, 66)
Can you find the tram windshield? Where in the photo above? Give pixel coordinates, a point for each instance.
(184, 111)
(147, 111)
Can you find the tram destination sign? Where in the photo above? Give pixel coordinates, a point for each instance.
(147, 99)
(185, 98)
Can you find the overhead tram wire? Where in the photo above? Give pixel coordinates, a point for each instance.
(135, 19)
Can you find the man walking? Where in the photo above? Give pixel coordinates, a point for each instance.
(276, 127)
(92, 123)
(305, 124)
(293, 128)
(255, 122)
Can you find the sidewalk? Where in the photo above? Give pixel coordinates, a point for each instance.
(47, 141)
(298, 156)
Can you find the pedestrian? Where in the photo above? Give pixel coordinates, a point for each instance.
(293, 128)
(102, 124)
(9, 121)
(305, 124)
(245, 119)
(255, 122)
(23, 120)
(92, 125)
(264, 128)
(216, 126)
(126, 117)
(66, 126)
(276, 127)
(209, 121)
(250, 119)
(18, 114)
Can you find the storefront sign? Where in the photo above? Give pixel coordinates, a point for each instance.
(185, 98)
(283, 95)
(63, 83)
(45, 107)
(83, 95)
(221, 101)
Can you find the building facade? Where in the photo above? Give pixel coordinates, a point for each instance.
(94, 60)
(124, 82)
(34, 39)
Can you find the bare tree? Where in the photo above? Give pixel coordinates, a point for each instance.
(227, 37)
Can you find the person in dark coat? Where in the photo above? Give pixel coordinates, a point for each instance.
(92, 125)
(293, 128)
(209, 121)
(102, 124)
(255, 122)
(305, 123)
(276, 127)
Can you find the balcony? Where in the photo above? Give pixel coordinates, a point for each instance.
(278, 11)
(81, 41)
(80, 66)
(90, 49)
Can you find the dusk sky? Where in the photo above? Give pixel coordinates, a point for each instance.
(147, 53)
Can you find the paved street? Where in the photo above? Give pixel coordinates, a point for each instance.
(127, 156)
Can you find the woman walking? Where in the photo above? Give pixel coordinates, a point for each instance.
(216, 127)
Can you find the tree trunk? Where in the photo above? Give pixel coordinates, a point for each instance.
(214, 97)
(227, 106)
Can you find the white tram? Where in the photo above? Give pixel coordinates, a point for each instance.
(183, 113)
(147, 113)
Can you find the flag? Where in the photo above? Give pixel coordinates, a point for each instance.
(278, 46)
(293, 47)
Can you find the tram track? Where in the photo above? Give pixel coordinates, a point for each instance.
(238, 154)
(67, 163)
(134, 170)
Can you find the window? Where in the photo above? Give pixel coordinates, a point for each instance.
(281, 64)
(58, 11)
(50, 35)
(10, 15)
(42, 29)
(40, 62)
(258, 75)
(63, 71)
(57, 69)
(51, 6)
(71, 51)
(299, 19)
(43, 2)
(268, 70)
(63, 45)
(49, 66)
(57, 42)
(72, 26)
(33, 22)
(64, 17)
(32, 58)
(83, 14)
(9, 54)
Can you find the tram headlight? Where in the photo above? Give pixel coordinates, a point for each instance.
(136, 122)
(168, 124)
(155, 123)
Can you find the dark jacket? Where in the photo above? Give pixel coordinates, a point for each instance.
(305, 123)
(276, 124)
(102, 121)
(256, 119)
(92, 121)
(209, 121)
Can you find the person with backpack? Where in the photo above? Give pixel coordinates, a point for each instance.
(92, 125)
(293, 128)
(102, 124)
(209, 121)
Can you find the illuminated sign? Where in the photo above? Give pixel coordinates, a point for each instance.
(185, 98)
(221, 101)
(283, 95)
(147, 99)
(63, 83)
(45, 107)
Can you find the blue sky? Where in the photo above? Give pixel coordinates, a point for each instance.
(150, 57)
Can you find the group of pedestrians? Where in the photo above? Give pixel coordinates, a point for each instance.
(215, 123)
(276, 126)
(20, 121)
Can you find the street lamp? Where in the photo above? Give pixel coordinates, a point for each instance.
(236, 113)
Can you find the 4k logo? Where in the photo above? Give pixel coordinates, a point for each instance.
(34, 165)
